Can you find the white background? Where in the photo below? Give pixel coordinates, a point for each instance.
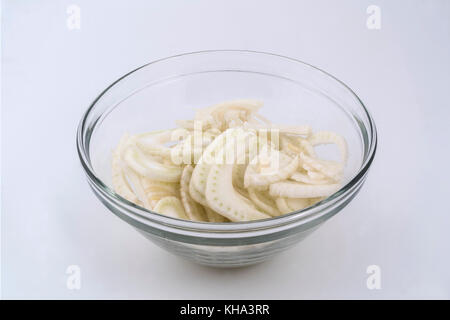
(50, 219)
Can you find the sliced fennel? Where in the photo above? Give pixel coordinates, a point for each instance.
(228, 164)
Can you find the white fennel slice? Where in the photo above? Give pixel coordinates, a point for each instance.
(233, 118)
(314, 174)
(243, 193)
(136, 184)
(120, 184)
(288, 205)
(291, 189)
(331, 169)
(119, 179)
(191, 148)
(282, 205)
(297, 203)
(129, 182)
(184, 152)
(200, 174)
(172, 207)
(326, 137)
(156, 190)
(262, 118)
(264, 202)
(307, 179)
(154, 142)
(294, 145)
(150, 167)
(186, 124)
(315, 200)
(269, 167)
(238, 175)
(297, 130)
(197, 195)
(201, 170)
(193, 209)
(223, 198)
(219, 110)
(213, 216)
(221, 115)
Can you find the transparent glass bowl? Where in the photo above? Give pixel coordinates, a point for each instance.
(153, 96)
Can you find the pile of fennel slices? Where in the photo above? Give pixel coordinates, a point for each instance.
(169, 173)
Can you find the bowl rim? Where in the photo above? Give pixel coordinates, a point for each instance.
(308, 214)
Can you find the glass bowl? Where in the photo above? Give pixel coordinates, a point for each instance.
(153, 96)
